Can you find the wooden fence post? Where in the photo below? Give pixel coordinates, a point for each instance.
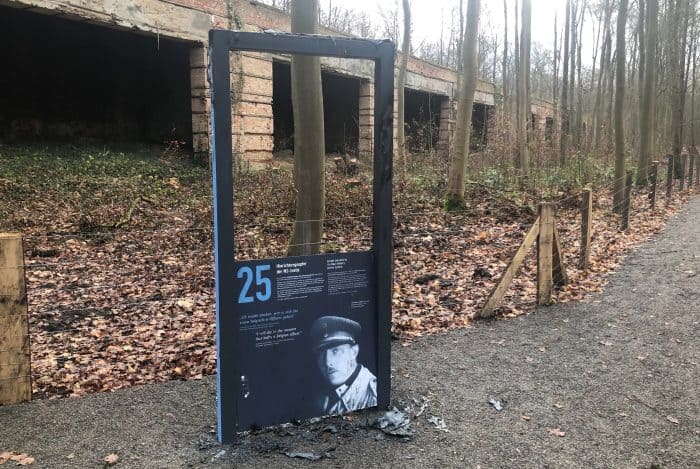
(626, 203)
(669, 180)
(544, 254)
(684, 165)
(654, 184)
(500, 290)
(586, 226)
(691, 166)
(15, 369)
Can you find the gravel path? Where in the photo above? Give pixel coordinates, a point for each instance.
(617, 376)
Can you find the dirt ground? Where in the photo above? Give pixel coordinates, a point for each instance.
(609, 382)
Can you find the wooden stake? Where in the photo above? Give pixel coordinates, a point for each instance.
(15, 369)
(544, 254)
(626, 203)
(500, 290)
(691, 166)
(586, 226)
(669, 180)
(684, 164)
(558, 266)
(654, 183)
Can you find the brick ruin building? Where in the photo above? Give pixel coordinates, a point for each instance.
(135, 70)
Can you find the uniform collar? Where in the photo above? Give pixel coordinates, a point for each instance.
(340, 390)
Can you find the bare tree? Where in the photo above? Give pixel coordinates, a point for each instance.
(579, 88)
(603, 73)
(694, 52)
(646, 116)
(523, 94)
(460, 37)
(458, 167)
(619, 185)
(677, 69)
(555, 68)
(309, 143)
(390, 22)
(572, 70)
(504, 68)
(564, 112)
(406, 52)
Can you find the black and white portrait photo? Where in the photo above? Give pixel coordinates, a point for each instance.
(349, 385)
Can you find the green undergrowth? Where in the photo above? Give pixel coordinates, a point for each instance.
(95, 185)
(78, 188)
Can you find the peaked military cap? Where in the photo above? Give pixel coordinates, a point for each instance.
(329, 331)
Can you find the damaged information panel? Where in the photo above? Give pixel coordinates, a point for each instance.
(300, 337)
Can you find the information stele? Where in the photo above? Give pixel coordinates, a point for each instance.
(277, 301)
(300, 337)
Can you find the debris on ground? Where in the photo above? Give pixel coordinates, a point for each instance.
(498, 405)
(311, 456)
(395, 423)
(438, 423)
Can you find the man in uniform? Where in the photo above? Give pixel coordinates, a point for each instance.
(351, 385)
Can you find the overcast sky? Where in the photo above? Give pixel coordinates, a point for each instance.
(428, 14)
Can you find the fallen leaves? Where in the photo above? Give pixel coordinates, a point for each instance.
(21, 459)
(673, 420)
(556, 432)
(111, 459)
(132, 306)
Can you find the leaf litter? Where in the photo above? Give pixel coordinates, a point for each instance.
(116, 307)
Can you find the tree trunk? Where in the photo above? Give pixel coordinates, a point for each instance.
(514, 96)
(460, 39)
(678, 77)
(564, 113)
(646, 136)
(642, 61)
(618, 195)
(603, 72)
(523, 88)
(506, 107)
(555, 73)
(309, 143)
(406, 51)
(694, 49)
(579, 87)
(458, 167)
(572, 72)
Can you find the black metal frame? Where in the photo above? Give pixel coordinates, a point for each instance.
(382, 53)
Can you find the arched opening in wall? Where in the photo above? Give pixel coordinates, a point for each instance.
(422, 120)
(549, 129)
(341, 101)
(481, 113)
(64, 79)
